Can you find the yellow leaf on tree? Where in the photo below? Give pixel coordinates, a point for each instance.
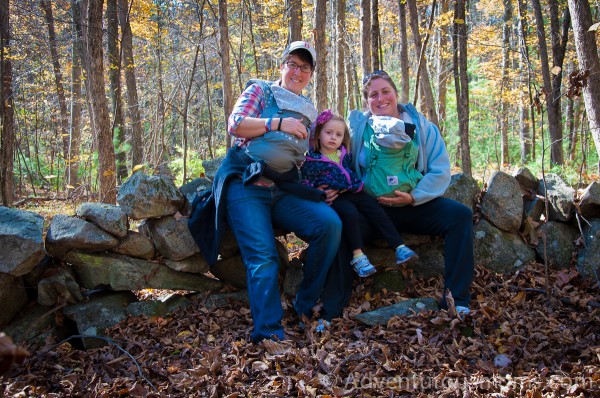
(138, 166)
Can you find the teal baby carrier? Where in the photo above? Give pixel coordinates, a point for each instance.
(389, 167)
(279, 150)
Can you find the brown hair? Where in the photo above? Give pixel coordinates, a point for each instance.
(378, 74)
(319, 127)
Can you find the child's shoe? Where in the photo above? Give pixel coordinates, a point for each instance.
(404, 254)
(363, 266)
(322, 324)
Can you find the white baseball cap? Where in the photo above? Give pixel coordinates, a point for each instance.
(302, 45)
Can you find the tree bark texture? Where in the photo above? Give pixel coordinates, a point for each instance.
(114, 77)
(100, 114)
(554, 123)
(587, 54)
(340, 58)
(506, 29)
(403, 39)
(444, 67)
(7, 140)
(294, 9)
(375, 37)
(424, 81)
(133, 106)
(320, 78)
(527, 136)
(225, 63)
(365, 30)
(462, 83)
(60, 91)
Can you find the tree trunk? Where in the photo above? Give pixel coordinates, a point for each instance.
(425, 81)
(554, 123)
(375, 36)
(60, 91)
(75, 127)
(294, 9)
(225, 64)
(131, 83)
(186, 104)
(444, 67)
(340, 82)
(559, 48)
(527, 138)
(462, 83)
(114, 75)
(587, 54)
(7, 141)
(365, 27)
(100, 114)
(403, 39)
(506, 28)
(321, 101)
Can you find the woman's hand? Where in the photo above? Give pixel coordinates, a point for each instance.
(401, 198)
(293, 126)
(331, 194)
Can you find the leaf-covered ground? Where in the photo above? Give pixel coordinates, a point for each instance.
(517, 342)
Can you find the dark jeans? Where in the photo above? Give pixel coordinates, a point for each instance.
(350, 206)
(439, 217)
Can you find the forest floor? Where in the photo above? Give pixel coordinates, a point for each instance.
(517, 342)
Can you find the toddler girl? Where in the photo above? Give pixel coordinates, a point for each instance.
(329, 164)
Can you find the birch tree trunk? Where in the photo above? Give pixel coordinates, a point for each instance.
(587, 54)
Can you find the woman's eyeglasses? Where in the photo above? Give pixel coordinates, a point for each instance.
(374, 73)
(303, 68)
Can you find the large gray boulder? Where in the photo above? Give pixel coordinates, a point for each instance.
(526, 179)
(171, 237)
(500, 251)
(463, 189)
(135, 244)
(102, 311)
(142, 197)
(588, 263)
(68, 233)
(21, 240)
(589, 206)
(559, 243)
(211, 166)
(194, 264)
(408, 307)
(13, 297)
(502, 204)
(560, 197)
(109, 218)
(126, 273)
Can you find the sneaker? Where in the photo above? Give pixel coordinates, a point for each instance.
(322, 324)
(404, 254)
(462, 310)
(363, 266)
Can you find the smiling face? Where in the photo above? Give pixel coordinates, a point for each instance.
(294, 79)
(331, 136)
(382, 99)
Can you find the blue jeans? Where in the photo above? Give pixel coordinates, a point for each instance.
(252, 211)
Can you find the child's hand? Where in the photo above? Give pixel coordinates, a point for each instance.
(331, 194)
